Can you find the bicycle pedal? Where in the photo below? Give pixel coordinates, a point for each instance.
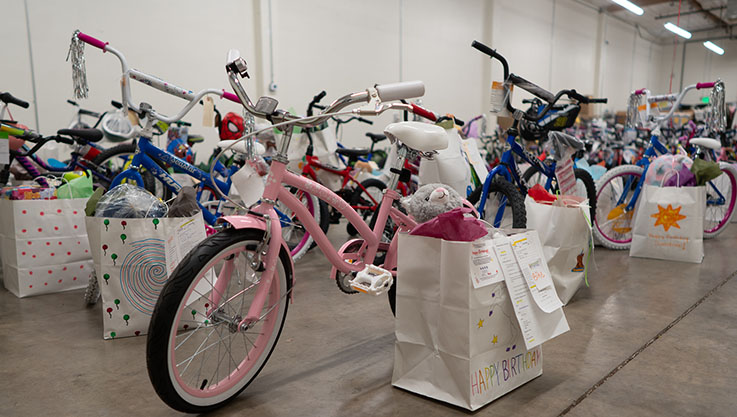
(372, 280)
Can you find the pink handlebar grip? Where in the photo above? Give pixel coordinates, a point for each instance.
(640, 92)
(427, 114)
(699, 86)
(92, 41)
(230, 96)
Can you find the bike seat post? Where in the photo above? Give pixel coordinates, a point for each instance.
(398, 166)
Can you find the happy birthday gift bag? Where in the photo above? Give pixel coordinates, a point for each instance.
(669, 224)
(44, 246)
(458, 336)
(133, 259)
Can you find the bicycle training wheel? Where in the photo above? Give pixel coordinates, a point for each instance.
(198, 358)
(616, 188)
(721, 193)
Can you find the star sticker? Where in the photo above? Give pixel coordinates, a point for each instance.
(494, 340)
(481, 323)
(668, 217)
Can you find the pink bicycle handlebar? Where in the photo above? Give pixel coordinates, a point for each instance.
(700, 86)
(92, 41)
(640, 92)
(230, 96)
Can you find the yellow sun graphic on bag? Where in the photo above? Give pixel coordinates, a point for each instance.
(668, 217)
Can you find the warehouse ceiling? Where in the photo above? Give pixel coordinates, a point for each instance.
(703, 18)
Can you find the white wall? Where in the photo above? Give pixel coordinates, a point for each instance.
(338, 46)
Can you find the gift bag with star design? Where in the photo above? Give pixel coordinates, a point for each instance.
(458, 338)
(669, 224)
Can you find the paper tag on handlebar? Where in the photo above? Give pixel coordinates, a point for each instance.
(500, 93)
(133, 117)
(208, 112)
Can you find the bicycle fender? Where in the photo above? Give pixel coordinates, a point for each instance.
(253, 222)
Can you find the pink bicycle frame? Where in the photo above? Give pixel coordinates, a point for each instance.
(275, 191)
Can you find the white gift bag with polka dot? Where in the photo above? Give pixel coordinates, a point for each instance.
(44, 246)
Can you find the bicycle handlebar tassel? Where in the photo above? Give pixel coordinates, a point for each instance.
(79, 70)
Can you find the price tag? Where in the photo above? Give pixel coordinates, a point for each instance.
(208, 112)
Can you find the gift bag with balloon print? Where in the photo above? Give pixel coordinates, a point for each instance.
(44, 246)
(133, 259)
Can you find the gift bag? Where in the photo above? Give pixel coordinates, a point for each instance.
(133, 259)
(669, 224)
(565, 234)
(44, 246)
(458, 334)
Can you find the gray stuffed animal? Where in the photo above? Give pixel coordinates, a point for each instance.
(430, 200)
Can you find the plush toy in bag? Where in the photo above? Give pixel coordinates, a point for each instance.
(440, 212)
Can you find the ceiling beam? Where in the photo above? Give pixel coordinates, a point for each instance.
(667, 16)
(716, 19)
(642, 3)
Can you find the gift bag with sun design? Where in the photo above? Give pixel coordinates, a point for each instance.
(669, 224)
(44, 246)
(133, 262)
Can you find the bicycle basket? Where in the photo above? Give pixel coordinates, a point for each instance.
(116, 126)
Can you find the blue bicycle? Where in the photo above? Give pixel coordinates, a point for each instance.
(493, 204)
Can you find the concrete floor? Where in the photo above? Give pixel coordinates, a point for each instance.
(53, 360)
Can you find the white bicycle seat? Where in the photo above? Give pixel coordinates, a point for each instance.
(419, 136)
(240, 147)
(706, 143)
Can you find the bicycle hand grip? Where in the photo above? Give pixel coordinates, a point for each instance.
(598, 100)
(402, 90)
(700, 86)
(485, 49)
(427, 114)
(92, 41)
(61, 139)
(8, 98)
(230, 96)
(72, 102)
(362, 120)
(640, 92)
(116, 104)
(319, 97)
(458, 121)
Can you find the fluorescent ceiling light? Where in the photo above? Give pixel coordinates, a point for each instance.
(630, 6)
(678, 31)
(714, 47)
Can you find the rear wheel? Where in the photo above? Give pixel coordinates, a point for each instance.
(113, 161)
(585, 185)
(721, 193)
(198, 356)
(366, 200)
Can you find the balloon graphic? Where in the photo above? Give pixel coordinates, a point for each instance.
(110, 311)
(194, 313)
(106, 277)
(113, 334)
(137, 332)
(156, 223)
(106, 222)
(117, 304)
(185, 327)
(114, 257)
(123, 237)
(126, 317)
(124, 223)
(104, 250)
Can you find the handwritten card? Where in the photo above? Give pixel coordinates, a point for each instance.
(485, 269)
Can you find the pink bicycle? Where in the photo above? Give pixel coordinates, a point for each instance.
(220, 314)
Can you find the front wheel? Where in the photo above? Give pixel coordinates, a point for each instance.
(721, 193)
(613, 223)
(198, 358)
(505, 205)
